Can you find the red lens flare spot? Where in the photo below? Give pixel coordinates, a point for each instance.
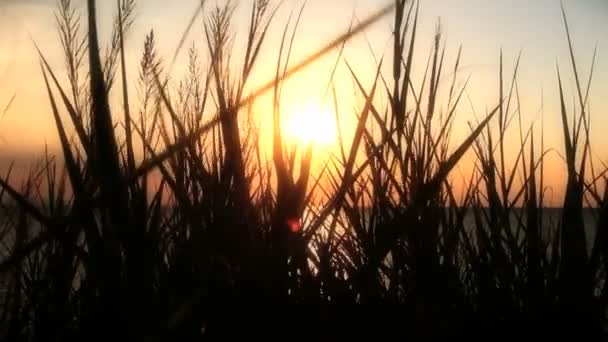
(294, 225)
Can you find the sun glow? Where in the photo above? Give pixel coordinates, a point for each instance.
(311, 124)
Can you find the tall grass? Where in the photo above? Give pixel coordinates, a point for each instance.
(165, 207)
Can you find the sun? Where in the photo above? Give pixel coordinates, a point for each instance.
(311, 123)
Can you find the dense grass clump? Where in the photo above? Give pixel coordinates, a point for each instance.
(151, 218)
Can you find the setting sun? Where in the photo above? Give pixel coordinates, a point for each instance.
(311, 123)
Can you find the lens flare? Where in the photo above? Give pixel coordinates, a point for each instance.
(294, 225)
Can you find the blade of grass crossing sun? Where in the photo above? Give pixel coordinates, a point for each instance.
(181, 143)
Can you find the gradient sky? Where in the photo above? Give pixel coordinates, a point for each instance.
(481, 26)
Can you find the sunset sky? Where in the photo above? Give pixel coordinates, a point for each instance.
(482, 27)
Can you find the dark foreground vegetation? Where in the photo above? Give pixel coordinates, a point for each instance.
(161, 211)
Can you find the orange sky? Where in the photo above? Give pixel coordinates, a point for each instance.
(481, 26)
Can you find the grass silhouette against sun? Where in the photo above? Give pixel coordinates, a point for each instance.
(164, 207)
